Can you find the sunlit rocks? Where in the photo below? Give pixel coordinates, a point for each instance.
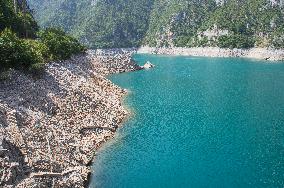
(57, 122)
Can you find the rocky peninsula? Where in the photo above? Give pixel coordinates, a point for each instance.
(51, 127)
(256, 53)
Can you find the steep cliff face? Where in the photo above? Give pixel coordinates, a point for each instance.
(128, 23)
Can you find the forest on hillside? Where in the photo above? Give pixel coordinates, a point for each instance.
(24, 47)
(185, 23)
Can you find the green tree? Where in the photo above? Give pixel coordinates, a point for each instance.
(19, 19)
(19, 53)
(60, 45)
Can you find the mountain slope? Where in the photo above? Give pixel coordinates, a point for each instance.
(173, 22)
(128, 23)
(99, 23)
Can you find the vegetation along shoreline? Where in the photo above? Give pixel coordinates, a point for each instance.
(56, 105)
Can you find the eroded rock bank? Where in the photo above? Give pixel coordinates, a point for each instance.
(257, 53)
(51, 127)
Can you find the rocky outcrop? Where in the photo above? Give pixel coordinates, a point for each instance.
(114, 60)
(51, 127)
(257, 53)
(148, 65)
(213, 33)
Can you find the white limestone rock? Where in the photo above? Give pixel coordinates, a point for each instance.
(148, 65)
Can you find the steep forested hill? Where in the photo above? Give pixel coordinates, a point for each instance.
(23, 47)
(100, 23)
(127, 23)
(16, 15)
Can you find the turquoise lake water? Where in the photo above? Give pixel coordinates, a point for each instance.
(198, 123)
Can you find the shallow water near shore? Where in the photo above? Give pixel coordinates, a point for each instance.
(198, 122)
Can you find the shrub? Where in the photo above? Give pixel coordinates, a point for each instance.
(277, 38)
(39, 53)
(181, 41)
(60, 45)
(278, 41)
(18, 53)
(236, 41)
(202, 42)
(9, 49)
(40, 48)
(31, 55)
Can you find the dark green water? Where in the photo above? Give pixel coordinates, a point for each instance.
(198, 123)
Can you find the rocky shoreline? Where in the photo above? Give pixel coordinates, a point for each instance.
(256, 53)
(51, 127)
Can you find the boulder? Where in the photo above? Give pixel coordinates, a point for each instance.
(148, 65)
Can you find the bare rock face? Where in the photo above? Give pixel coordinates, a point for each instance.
(51, 127)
